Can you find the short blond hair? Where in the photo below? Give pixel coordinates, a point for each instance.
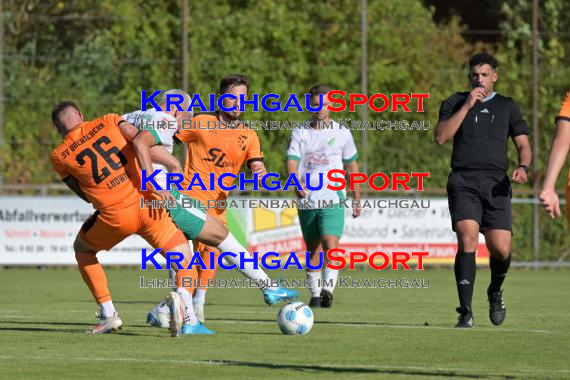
(187, 99)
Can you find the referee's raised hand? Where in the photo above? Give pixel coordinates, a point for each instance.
(476, 95)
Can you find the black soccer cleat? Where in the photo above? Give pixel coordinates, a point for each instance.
(315, 302)
(465, 320)
(497, 309)
(326, 298)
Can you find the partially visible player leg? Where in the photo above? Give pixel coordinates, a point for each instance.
(330, 275)
(499, 244)
(160, 232)
(99, 232)
(183, 319)
(197, 225)
(331, 227)
(190, 325)
(94, 276)
(496, 225)
(159, 316)
(466, 209)
(465, 268)
(190, 221)
(314, 277)
(308, 219)
(209, 255)
(216, 234)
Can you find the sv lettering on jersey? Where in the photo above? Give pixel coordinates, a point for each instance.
(217, 157)
(82, 140)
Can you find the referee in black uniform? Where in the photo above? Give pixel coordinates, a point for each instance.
(479, 189)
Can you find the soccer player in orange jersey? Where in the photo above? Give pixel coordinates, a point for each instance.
(222, 151)
(558, 154)
(96, 160)
(193, 221)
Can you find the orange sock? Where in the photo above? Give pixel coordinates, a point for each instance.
(94, 276)
(207, 274)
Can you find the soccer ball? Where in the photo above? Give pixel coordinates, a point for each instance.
(295, 318)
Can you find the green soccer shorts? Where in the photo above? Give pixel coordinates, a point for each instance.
(315, 223)
(190, 220)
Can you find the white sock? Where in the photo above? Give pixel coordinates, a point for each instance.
(162, 307)
(189, 315)
(331, 276)
(230, 244)
(199, 296)
(107, 309)
(314, 279)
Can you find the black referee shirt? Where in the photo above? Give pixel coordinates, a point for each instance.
(481, 141)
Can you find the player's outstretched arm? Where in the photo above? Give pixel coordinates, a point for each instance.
(73, 184)
(556, 160)
(525, 156)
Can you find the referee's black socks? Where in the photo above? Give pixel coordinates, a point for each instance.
(465, 277)
(499, 269)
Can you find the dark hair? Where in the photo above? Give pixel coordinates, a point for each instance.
(233, 80)
(58, 109)
(482, 59)
(319, 89)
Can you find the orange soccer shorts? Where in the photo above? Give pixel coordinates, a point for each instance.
(107, 228)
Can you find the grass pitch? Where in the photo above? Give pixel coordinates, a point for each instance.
(381, 333)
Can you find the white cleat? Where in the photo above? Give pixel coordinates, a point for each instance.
(199, 311)
(106, 325)
(177, 311)
(158, 319)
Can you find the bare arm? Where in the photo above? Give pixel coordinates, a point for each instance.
(158, 154)
(73, 184)
(524, 150)
(142, 142)
(128, 130)
(525, 157)
(352, 167)
(161, 155)
(446, 129)
(558, 153)
(292, 166)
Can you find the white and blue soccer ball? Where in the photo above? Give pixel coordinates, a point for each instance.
(295, 318)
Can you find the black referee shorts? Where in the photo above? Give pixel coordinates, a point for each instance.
(484, 197)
